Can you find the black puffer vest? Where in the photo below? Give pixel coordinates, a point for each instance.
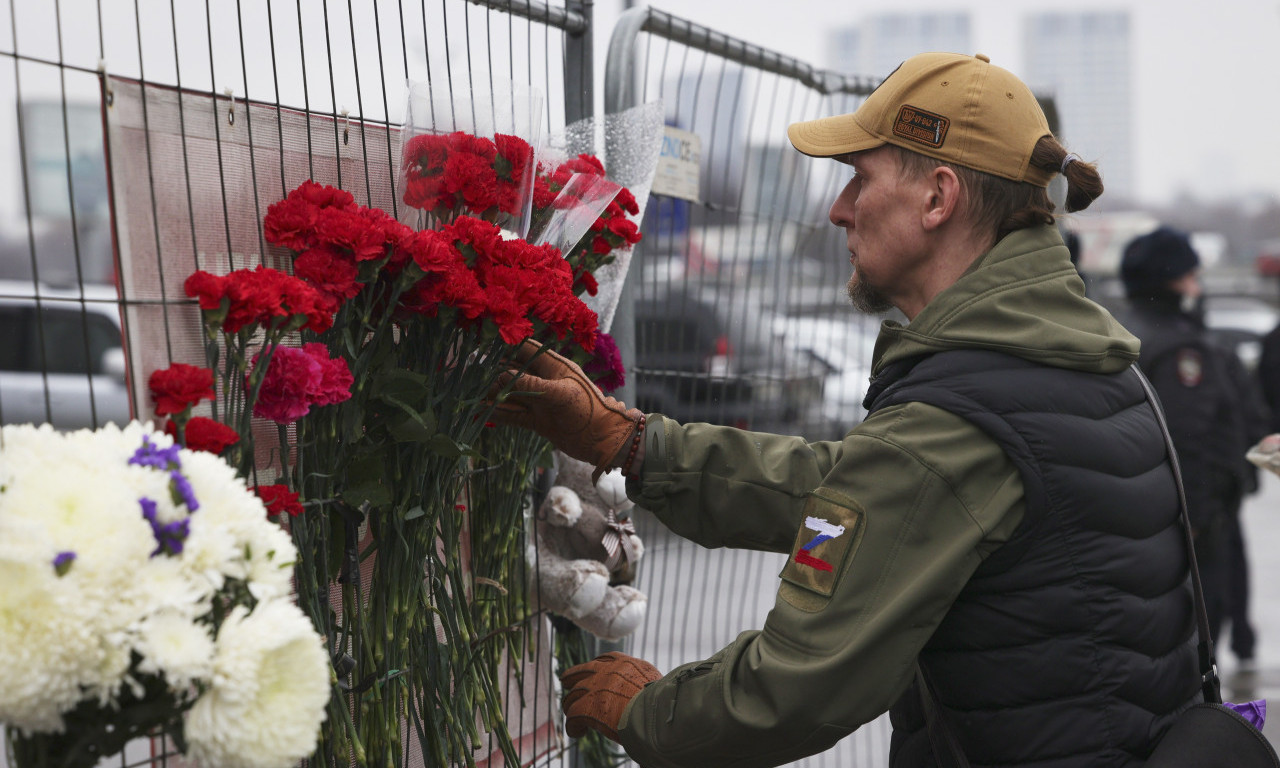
(1074, 643)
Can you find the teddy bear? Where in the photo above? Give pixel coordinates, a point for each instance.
(585, 552)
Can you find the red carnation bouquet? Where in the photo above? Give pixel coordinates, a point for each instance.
(459, 166)
(369, 344)
(372, 348)
(472, 155)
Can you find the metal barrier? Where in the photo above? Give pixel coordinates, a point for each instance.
(212, 112)
(215, 90)
(340, 65)
(738, 305)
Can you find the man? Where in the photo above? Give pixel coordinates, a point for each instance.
(1212, 408)
(1004, 523)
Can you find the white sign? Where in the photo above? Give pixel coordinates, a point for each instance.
(679, 165)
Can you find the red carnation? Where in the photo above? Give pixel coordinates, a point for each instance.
(290, 223)
(278, 498)
(209, 289)
(205, 434)
(179, 387)
(329, 271)
(350, 231)
(322, 195)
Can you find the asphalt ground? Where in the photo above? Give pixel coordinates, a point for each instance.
(1260, 519)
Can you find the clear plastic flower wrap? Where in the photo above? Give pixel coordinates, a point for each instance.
(470, 152)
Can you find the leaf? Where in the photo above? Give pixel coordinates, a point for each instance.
(415, 513)
(402, 385)
(443, 445)
(352, 422)
(375, 495)
(365, 481)
(417, 428)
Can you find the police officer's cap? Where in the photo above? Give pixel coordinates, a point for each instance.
(1152, 260)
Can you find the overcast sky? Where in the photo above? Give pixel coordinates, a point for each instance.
(1206, 73)
(1206, 111)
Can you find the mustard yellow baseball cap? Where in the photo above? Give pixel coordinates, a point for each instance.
(957, 108)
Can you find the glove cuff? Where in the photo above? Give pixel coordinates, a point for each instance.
(621, 441)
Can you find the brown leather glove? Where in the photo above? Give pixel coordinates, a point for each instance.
(554, 398)
(599, 690)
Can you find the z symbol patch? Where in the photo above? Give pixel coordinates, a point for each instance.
(826, 532)
(824, 542)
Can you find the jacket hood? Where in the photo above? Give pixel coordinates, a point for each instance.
(1023, 298)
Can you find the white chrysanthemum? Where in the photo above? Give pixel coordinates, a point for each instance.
(231, 532)
(166, 585)
(269, 692)
(270, 565)
(89, 512)
(70, 637)
(172, 645)
(47, 650)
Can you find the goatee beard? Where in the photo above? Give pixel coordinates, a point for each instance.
(866, 298)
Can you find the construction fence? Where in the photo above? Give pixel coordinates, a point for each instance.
(149, 139)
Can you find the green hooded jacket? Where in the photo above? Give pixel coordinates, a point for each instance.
(884, 527)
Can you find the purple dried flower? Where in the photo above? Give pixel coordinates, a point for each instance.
(182, 491)
(151, 456)
(62, 563)
(169, 536)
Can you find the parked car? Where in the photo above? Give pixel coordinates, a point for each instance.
(1241, 322)
(843, 346)
(704, 357)
(61, 356)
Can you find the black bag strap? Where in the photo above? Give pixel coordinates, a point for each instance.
(943, 739)
(1209, 681)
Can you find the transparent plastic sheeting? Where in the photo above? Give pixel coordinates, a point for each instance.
(632, 140)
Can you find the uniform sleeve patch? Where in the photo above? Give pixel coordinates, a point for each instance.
(1190, 367)
(829, 534)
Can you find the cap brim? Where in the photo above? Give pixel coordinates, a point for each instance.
(831, 136)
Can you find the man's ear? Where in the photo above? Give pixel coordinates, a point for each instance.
(943, 201)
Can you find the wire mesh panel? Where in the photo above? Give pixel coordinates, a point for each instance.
(740, 312)
(345, 61)
(153, 135)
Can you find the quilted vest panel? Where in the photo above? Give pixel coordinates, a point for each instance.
(1074, 643)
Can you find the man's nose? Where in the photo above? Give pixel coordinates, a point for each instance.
(841, 211)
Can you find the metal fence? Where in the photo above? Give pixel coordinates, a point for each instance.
(151, 136)
(737, 299)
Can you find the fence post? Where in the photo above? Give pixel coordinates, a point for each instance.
(620, 94)
(579, 73)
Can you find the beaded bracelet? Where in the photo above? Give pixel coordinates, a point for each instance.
(635, 446)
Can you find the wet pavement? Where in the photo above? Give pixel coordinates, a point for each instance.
(1261, 521)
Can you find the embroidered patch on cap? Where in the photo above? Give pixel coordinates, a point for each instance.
(921, 126)
(831, 529)
(1190, 367)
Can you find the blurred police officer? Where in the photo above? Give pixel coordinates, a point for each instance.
(1201, 385)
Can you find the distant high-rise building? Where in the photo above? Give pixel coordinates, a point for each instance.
(1083, 61)
(880, 42)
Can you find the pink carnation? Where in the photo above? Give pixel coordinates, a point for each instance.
(335, 381)
(297, 379)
